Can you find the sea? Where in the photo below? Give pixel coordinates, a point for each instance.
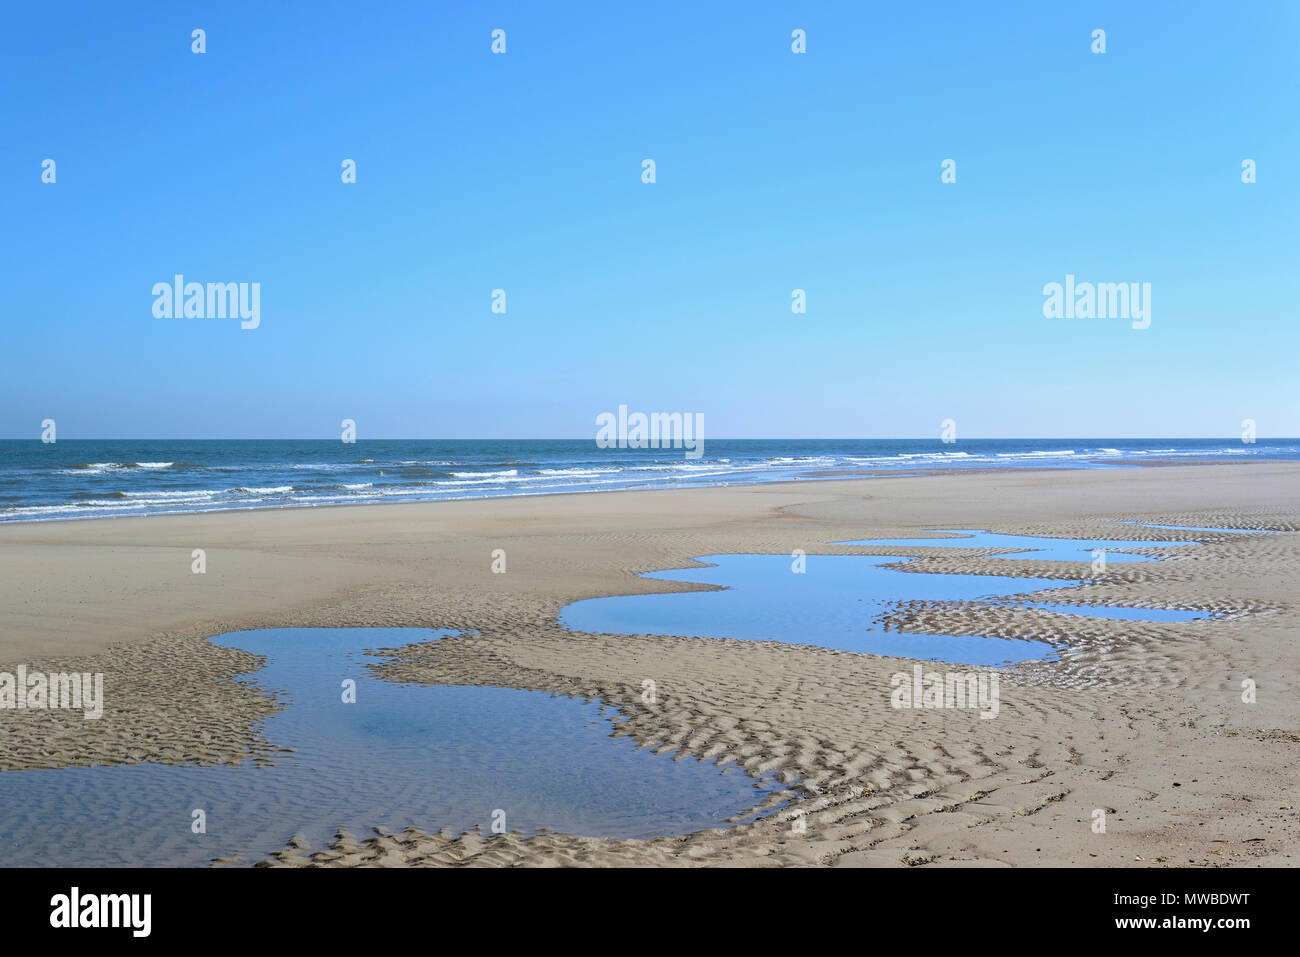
(71, 479)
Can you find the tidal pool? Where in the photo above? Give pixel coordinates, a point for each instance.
(835, 603)
(401, 755)
(1118, 612)
(838, 601)
(1058, 549)
(1038, 549)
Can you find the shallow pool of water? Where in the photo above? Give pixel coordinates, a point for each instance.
(834, 603)
(432, 757)
(1118, 612)
(1031, 547)
(838, 600)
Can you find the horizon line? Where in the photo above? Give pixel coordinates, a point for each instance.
(358, 441)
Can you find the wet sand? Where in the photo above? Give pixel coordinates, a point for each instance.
(1141, 720)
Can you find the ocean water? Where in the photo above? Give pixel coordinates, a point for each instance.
(97, 479)
(432, 757)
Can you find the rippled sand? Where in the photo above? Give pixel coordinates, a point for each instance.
(1142, 720)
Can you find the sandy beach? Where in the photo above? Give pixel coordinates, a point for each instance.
(1143, 720)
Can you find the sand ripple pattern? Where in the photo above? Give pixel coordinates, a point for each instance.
(884, 787)
(1142, 720)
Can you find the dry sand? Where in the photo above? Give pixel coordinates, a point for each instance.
(1142, 720)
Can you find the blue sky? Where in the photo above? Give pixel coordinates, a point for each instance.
(775, 171)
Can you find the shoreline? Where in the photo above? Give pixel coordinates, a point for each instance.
(729, 480)
(1102, 727)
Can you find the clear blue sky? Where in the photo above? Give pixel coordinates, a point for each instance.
(775, 171)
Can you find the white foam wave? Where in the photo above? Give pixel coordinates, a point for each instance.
(185, 493)
(502, 474)
(578, 471)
